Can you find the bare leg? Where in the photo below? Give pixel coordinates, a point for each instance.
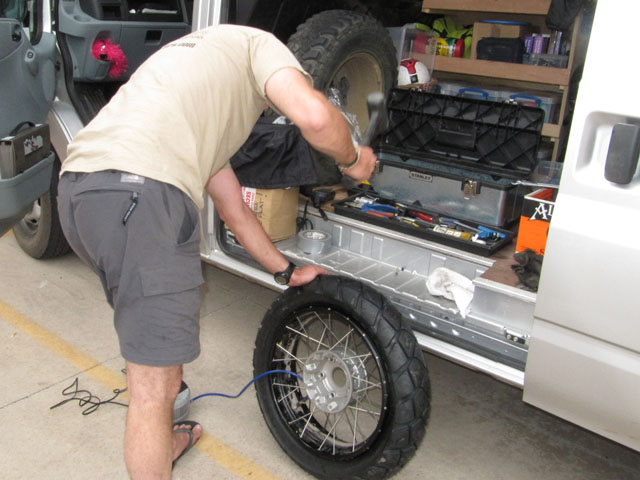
(149, 444)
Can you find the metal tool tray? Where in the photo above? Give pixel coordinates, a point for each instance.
(341, 208)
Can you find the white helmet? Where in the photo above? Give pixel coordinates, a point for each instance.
(412, 71)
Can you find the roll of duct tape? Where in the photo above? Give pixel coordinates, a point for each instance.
(314, 241)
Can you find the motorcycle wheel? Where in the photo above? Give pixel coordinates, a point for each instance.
(358, 404)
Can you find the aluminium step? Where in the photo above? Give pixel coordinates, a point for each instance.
(496, 330)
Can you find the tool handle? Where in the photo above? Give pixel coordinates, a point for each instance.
(379, 121)
(379, 207)
(376, 106)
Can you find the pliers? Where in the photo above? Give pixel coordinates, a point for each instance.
(379, 210)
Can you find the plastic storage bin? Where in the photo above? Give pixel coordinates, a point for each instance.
(468, 90)
(546, 102)
(546, 60)
(411, 42)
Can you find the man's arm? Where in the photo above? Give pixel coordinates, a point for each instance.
(320, 122)
(226, 193)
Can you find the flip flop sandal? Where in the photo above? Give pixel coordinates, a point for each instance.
(191, 443)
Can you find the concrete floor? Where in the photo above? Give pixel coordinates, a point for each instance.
(56, 327)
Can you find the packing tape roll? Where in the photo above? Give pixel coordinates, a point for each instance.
(314, 241)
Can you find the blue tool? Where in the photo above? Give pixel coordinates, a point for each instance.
(489, 234)
(379, 209)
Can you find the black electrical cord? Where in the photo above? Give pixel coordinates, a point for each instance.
(85, 397)
(303, 223)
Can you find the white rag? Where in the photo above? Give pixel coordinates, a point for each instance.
(451, 285)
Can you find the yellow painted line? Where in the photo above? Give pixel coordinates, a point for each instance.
(232, 460)
(216, 449)
(64, 349)
(8, 234)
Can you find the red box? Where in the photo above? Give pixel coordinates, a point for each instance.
(537, 210)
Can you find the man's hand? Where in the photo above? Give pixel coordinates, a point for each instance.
(364, 169)
(224, 189)
(304, 275)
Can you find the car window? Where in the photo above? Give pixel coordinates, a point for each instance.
(16, 9)
(28, 13)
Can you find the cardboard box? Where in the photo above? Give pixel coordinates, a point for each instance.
(486, 29)
(537, 210)
(276, 210)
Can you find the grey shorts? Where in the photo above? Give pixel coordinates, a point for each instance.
(142, 238)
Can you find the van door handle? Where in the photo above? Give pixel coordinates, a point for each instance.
(16, 35)
(622, 157)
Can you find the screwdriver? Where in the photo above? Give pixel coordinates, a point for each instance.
(422, 216)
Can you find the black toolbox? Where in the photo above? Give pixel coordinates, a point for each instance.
(412, 220)
(455, 157)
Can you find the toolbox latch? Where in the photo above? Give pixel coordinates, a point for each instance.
(470, 188)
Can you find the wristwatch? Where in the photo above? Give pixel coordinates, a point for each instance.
(283, 278)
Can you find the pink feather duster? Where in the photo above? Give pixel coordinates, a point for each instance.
(110, 52)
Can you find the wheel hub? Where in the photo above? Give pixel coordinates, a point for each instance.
(334, 380)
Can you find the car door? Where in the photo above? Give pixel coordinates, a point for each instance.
(584, 356)
(27, 86)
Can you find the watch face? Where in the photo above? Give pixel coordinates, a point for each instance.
(281, 278)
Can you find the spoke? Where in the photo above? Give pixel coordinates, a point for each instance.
(346, 335)
(367, 388)
(364, 410)
(362, 434)
(363, 357)
(288, 395)
(329, 433)
(353, 430)
(303, 327)
(300, 418)
(356, 430)
(326, 420)
(321, 339)
(300, 334)
(319, 342)
(308, 420)
(291, 355)
(288, 385)
(364, 380)
(327, 327)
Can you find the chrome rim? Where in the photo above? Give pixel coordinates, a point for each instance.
(338, 405)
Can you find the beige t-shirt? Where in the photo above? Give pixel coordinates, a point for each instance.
(186, 110)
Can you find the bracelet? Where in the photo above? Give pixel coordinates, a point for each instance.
(342, 168)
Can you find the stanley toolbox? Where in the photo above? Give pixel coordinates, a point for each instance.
(455, 158)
